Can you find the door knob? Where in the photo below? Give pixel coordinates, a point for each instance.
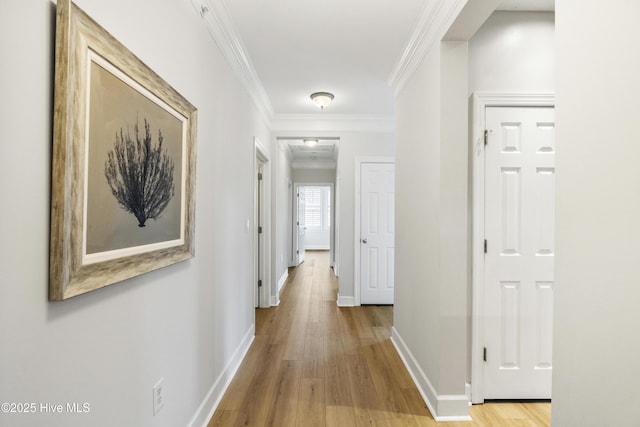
(364, 241)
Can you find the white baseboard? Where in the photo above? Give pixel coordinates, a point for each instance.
(283, 280)
(442, 407)
(212, 399)
(346, 301)
(275, 299)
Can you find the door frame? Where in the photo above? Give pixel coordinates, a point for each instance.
(480, 101)
(359, 161)
(332, 214)
(262, 246)
(294, 224)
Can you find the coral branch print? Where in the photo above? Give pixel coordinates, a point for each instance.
(140, 174)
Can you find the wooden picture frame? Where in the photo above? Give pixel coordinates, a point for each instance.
(123, 170)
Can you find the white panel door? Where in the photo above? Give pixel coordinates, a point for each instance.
(300, 226)
(519, 260)
(377, 215)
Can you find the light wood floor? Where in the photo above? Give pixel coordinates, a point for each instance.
(315, 364)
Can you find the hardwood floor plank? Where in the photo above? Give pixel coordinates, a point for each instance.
(336, 370)
(315, 364)
(360, 383)
(346, 326)
(538, 413)
(401, 422)
(234, 397)
(364, 417)
(340, 416)
(394, 363)
(362, 321)
(311, 403)
(416, 404)
(223, 419)
(265, 320)
(284, 407)
(313, 369)
(387, 388)
(330, 318)
(314, 337)
(333, 347)
(254, 406)
(295, 341)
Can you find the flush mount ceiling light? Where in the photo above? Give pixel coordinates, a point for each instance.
(310, 142)
(322, 99)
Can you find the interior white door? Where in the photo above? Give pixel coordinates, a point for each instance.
(258, 217)
(300, 224)
(519, 247)
(377, 215)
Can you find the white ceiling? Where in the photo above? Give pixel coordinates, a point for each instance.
(324, 152)
(528, 5)
(347, 47)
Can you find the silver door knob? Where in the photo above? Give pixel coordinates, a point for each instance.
(364, 240)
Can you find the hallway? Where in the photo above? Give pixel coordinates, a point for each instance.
(315, 364)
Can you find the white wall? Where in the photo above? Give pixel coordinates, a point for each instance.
(183, 322)
(596, 346)
(283, 207)
(313, 176)
(431, 227)
(513, 52)
(418, 215)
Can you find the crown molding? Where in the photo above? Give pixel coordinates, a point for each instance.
(313, 164)
(333, 122)
(223, 31)
(434, 20)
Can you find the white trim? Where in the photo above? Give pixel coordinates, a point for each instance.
(313, 164)
(220, 25)
(334, 122)
(436, 17)
(295, 251)
(261, 151)
(345, 301)
(356, 220)
(442, 407)
(282, 282)
(480, 101)
(214, 395)
(261, 155)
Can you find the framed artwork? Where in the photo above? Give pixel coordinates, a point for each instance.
(123, 170)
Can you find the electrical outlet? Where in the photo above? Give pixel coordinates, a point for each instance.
(158, 396)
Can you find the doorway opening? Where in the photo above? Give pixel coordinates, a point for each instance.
(313, 219)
